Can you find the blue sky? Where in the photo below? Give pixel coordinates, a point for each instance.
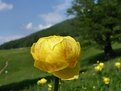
(19, 18)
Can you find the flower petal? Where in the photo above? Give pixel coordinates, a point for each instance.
(71, 50)
(33, 52)
(56, 62)
(68, 73)
(44, 46)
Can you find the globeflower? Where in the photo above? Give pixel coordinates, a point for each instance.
(99, 67)
(49, 87)
(42, 81)
(117, 65)
(106, 80)
(57, 55)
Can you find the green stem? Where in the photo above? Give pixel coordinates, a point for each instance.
(56, 84)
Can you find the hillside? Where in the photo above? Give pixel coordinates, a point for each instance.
(63, 28)
(20, 65)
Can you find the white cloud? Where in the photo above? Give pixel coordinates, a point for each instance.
(56, 15)
(31, 27)
(9, 38)
(50, 18)
(40, 27)
(63, 6)
(5, 6)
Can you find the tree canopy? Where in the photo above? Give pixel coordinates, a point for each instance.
(100, 20)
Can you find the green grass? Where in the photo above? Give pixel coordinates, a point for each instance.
(88, 80)
(20, 68)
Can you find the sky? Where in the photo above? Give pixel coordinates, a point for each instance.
(19, 18)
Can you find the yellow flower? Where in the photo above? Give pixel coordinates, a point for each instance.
(118, 65)
(49, 87)
(57, 55)
(42, 81)
(101, 65)
(106, 80)
(98, 68)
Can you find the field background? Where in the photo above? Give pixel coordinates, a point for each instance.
(20, 74)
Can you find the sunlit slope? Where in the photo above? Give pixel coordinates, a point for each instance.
(19, 66)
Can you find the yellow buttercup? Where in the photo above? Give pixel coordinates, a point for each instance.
(118, 65)
(106, 80)
(99, 67)
(57, 55)
(41, 81)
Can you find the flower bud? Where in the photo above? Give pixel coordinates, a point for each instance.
(98, 68)
(101, 65)
(106, 80)
(42, 81)
(57, 55)
(118, 65)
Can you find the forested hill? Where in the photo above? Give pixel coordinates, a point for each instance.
(63, 28)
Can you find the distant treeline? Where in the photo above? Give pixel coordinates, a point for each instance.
(64, 28)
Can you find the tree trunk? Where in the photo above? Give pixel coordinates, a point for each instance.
(109, 52)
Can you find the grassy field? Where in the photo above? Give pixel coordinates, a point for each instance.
(20, 68)
(89, 80)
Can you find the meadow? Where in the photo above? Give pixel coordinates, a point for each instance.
(96, 26)
(21, 75)
(19, 68)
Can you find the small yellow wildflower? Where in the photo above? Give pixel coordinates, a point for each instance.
(118, 65)
(101, 65)
(106, 80)
(42, 81)
(49, 87)
(98, 68)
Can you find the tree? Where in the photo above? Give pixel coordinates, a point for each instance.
(99, 20)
